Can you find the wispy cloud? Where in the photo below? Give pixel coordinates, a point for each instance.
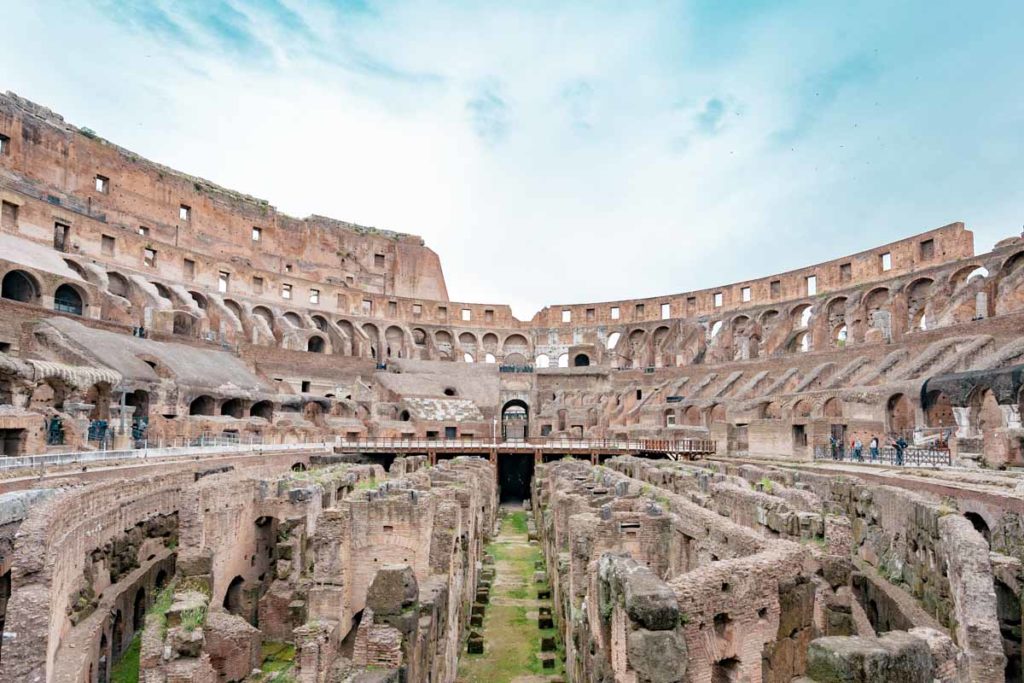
(623, 149)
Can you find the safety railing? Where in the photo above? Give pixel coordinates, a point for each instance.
(909, 457)
(625, 445)
(207, 449)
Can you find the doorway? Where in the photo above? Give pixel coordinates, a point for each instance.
(515, 474)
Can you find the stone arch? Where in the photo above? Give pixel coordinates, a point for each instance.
(321, 323)
(202, 405)
(234, 307)
(692, 416)
(264, 409)
(966, 275)
(395, 339)
(234, 601)
(801, 342)
(490, 342)
(19, 285)
(200, 300)
(183, 323)
(613, 340)
(264, 313)
(938, 410)
(899, 414)
(419, 336)
(563, 360)
(316, 344)
(293, 319)
(468, 340)
(118, 285)
(800, 315)
(833, 407)
(581, 360)
(69, 298)
(233, 407)
(100, 396)
(162, 291)
(716, 414)
(542, 360)
(516, 343)
(802, 408)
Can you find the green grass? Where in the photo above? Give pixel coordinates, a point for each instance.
(126, 670)
(511, 639)
(278, 659)
(192, 619)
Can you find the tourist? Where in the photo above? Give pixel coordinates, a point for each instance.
(873, 447)
(858, 450)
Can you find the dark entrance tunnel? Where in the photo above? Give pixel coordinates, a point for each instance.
(515, 473)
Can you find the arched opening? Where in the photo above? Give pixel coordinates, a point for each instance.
(293, 319)
(200, 300)
(613, 340)
(419, 337)
(394, 337)
(201, 405)
(19, 286)
(315, 344)
(117, 637)
(162, 291)
(515, 420)
(467, 357)
(117, 285)
(234, 598)
(691, 417)
(840, 335)
(233, 408)
(264, 409)
(404, 416)
(542, 361)
(833, 408)
(182, 324)
(320, 322)
(801, 342)
(264, 314)
(717, 414)
(489, 358)
(581, 360)
(139, 610)
(801, 316)
(516, 343)
(938, 410)
(67, 300)
(563, 360)
(299, 467)
(900, 414)
(980, 525)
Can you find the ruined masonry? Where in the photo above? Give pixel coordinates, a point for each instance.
(238, 446)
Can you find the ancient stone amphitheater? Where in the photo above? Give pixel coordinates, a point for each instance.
(239, 445)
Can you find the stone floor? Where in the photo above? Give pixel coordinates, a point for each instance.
(512, 639)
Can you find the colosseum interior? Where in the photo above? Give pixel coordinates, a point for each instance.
(242, 446)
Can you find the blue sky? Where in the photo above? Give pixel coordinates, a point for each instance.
(561, 152)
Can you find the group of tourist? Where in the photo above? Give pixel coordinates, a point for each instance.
(896, 442)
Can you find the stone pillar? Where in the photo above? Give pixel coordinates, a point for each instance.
(962, 415)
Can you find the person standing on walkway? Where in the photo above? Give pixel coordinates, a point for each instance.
(873, 447)
(858, 450)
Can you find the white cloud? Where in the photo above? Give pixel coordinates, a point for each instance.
(551, 155)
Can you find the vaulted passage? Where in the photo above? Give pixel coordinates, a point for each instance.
(515, 472)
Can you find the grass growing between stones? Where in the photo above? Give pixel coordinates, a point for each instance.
(278, 662)
(127, 668)
(511, 636)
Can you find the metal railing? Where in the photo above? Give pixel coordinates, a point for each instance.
(911, 456)
(207, 449)
(531, 444)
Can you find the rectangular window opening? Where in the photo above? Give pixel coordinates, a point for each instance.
(149, 257)
(775, 289)
(286, 291)
(9, 218)
(102, 184)
(886, 261)
(223, 280)
(5, 145)
(367, 307)
(615, 313)
(378, 260)
(566, 316)
(638, 312)
(666, 311)
(811, 283)
(393, 309)
(718, 299)
(257, 234)
(417, 310)
(467, 314)
(257, 285)
(107, 245)
(189, 269)
(314, 296)
(845, 272)
(745, 294)
(144, 231)
(185, 212)
(927, 249)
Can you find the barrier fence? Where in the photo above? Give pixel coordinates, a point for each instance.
(911, 456)
(206, 449)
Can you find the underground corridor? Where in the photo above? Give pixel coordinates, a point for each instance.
(515, 474)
